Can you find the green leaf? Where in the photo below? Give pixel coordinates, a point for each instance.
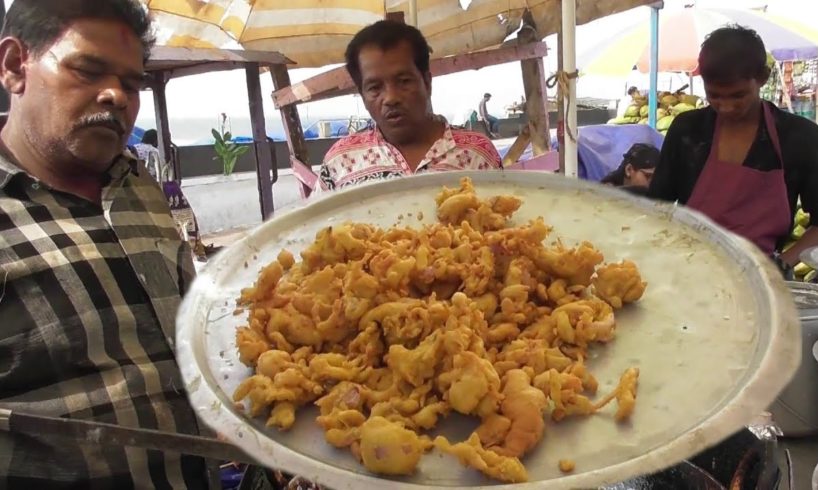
(228, 136)
(216, 136)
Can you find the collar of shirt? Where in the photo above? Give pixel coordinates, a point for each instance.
(122, 166)
(440, 147)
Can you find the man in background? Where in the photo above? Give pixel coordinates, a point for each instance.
(626, 101)
(389, 63)
(91, 266)
(492, 123)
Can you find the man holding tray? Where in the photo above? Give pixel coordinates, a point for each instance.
(389, 62)
(91, 265)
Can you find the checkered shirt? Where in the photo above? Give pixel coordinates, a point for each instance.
(88, 298)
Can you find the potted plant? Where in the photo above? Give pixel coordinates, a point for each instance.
(227, 150)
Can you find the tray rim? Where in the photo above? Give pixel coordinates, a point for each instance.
(778, 363)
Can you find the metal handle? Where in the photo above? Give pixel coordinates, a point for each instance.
(118, 436)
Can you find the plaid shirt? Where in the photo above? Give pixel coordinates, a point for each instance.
(88, 297)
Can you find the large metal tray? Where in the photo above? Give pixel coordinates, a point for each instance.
(716, 336)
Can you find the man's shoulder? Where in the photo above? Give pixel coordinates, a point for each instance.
(796, 125)
(363, 139)
(466, 138)
(477, 144)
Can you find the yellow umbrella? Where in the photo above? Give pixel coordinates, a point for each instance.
(316, 32)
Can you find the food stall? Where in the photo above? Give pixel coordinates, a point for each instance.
(736, 354)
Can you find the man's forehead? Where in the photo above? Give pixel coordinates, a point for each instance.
(729, 85)
(373, 58)
(104, 39)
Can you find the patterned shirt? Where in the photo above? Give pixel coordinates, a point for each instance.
(88, 298)
(367, 156)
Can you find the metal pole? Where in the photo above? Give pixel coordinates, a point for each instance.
(413, 13)
(4, 96)
(654, 65)
(569, 60)
(561, 106)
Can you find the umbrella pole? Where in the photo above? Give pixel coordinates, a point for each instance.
(413, 13)
(561, 106)
(654, 65)
(569, 60)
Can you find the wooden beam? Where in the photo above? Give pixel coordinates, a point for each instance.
(164, 57)
(160, 108)
(336, 82)
(306, 177)
(296, 143)
(536, 102)
(398, 16)
(265, 158)
(199, 68)
(518, 147)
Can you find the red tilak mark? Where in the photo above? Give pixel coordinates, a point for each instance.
(124, 35)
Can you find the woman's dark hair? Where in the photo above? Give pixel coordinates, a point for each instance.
(733, 53)
(386, 34)
(150, 137)
(632, 90)
(39, 23)
(640, 156)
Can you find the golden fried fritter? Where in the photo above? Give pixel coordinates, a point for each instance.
(389, 330)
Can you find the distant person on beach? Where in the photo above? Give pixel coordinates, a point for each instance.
(492, 123)
(389, 63)
(626, 101)
(636, 169)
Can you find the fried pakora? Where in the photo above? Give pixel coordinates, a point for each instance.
(389, 330)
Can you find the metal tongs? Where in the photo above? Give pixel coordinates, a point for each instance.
(115, 435)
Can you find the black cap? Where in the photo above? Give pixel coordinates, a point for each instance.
(642, 156)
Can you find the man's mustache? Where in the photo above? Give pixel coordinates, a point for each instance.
(105, 119)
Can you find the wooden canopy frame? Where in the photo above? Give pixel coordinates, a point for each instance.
(167, 63)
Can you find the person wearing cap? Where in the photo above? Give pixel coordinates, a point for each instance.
(492, 122)
(742, 161)
(636, 170)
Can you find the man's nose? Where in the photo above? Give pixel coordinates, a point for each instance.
(391, 96)
(113, 94)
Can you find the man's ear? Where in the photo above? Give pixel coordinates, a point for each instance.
(12, 65)
(427, 79)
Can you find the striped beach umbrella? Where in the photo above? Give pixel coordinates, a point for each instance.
(681, 34)
(316, 32)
